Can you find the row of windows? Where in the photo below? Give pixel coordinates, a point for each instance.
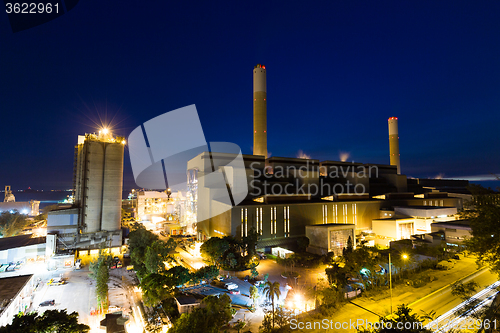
(434, 203)
(344, 214)
(259, 221)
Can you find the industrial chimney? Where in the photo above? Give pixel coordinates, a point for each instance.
(259, 111)
(394, 143)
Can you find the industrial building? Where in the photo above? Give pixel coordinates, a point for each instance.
(291, 197)
(98, 181)
(25, 248)
(166, 211)
(331, 237)
(455, 232)
(95, 216)
(9, 204)
(16, 294)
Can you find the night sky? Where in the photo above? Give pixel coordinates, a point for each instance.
(335, 72)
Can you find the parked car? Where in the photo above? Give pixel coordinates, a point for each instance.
(3, 267)
(234, 292)
(230, 286)
(117, 264)
(246, 278)
(258, 283)
(114, 308)
(56, 282)
(220, 278)
(48, 303)
(261, 255)
(11, 267)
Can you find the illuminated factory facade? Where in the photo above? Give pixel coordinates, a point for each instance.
(95, 216)
(98, 181)
(288, 194)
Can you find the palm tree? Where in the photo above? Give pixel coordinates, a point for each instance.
(271, 290)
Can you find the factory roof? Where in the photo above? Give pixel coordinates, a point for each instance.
(456, 224)
(327, 225)
(186, 300)
(63, 211)
(10, 287)
(114, 323)
(19, 241)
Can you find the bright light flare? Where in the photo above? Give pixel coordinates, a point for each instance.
(105, 130)
(303, 155)
(343, 155)
(404, 256)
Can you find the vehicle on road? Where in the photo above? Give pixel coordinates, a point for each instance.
(246, 278)
(56, 282)
(230, 286)
(234, 292)
(48, 303)
(259, 283)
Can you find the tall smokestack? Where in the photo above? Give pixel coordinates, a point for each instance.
(259, 111)
(394, 143)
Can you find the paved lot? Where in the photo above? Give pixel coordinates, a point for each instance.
(78, 294)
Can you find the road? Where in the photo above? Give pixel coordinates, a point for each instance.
(443, 301)
(457, 319)
(190, 260)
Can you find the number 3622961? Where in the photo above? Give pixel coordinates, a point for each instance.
(31, 8)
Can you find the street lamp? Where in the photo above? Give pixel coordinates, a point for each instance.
(404, 256)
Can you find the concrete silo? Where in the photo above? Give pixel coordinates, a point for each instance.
(98, 181)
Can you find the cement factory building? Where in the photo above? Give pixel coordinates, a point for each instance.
(95, 217)
(289, 197)
(98, 181)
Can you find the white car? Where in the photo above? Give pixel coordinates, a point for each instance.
(230, 286)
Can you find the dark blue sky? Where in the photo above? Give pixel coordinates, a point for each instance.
(335, 72)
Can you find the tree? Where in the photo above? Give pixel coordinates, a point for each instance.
(139, 240)
(302, 244)
(250, 242)
(205, 273)
(411, 322)
(218, 308)
(51, 321)
(282, 319)
(337, 276)
(157, 254)
(213, 249)
(465, 291)
(271, 290)
(254, 293)
(178, 275)
(239, 325)
(484, 216)
(253, 273)
(99, 271)
(11, 224)
(215, 313)
(231, 260)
